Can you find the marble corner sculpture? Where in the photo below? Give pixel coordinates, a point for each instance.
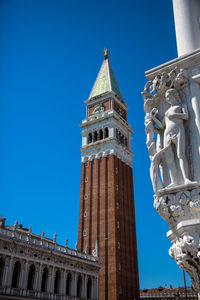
(172, 126)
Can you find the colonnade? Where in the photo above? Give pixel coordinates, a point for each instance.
(40, 278)
(98, 135)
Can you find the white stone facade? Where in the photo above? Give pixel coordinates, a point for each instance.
(172, 125)
(36, 267)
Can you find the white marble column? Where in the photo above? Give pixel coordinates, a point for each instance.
(25, 275)
(6, 271)
(39, 277)
(187, 25)
(50, 269)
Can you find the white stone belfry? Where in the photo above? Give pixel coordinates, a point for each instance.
(172, 125)
(187, 25)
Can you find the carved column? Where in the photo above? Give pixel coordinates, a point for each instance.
(25, 275)
(39, 278)
(63, 283)
(75, 276)
(172, 126)
(84, 286)
(52, 280)
(49, 281)
(6, 271)
(9, 273)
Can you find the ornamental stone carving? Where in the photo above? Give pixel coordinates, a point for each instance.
(165, 126)
(186, 252)
(172, 127)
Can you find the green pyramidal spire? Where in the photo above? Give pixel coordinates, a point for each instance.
(106, 80)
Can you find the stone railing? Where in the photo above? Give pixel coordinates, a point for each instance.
(173, 295)
(104, 114)
(33, 239)
(18, 292)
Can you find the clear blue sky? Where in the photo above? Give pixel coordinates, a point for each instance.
(51, 52)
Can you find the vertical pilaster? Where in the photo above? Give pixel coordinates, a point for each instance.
(81, 209)
(94, 212)
(103, 231)
(112, 190)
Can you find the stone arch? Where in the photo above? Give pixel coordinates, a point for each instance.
(45, 273)
(106, 133)
(57, 282)
(94, 136)
(100, 134)
(68, 284)
(89, 288)
(2, 269)
(89, 138)
(79, 286)
(16, 274)
(31, 277)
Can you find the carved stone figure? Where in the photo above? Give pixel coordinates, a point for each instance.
(15, 225)
(99, 108)
(173, 141)
(54, 237)
(30, 229)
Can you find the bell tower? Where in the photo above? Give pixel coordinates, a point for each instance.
(107, 217)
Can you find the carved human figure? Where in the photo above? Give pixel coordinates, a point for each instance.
(150, 130)
(175, 133)
(174, 136)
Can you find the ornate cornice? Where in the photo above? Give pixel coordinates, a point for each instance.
(105, 149)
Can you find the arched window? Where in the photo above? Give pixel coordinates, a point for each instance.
(2, 267)
(68, 284)
(100, 134)
(16, 274)
(89, 288)
(106, 134)
(57, 283)
(79, 286)
(89, 138)
(31, 277)
(44, 280)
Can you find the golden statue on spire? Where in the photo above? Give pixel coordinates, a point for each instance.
(105, 53)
